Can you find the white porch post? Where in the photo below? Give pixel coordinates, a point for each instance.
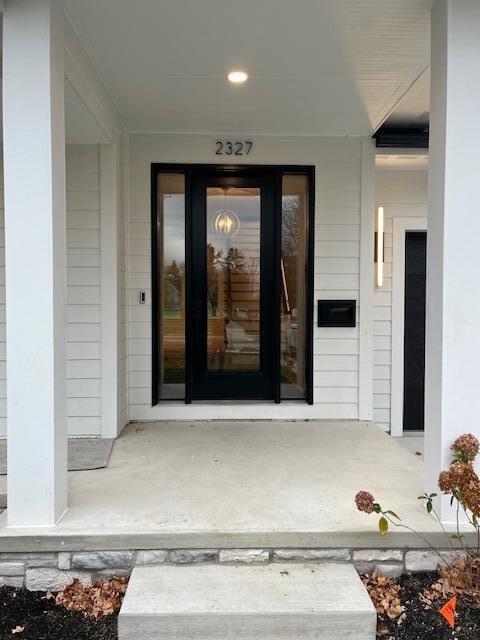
(453, 265)
(109, 203)
(34, 158)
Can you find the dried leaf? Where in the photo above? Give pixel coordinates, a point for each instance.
(461, 576)
(382, 629)
(97, 600)
(384, 594)
(18, 629)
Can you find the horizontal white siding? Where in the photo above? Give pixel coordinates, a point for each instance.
(83, 329)
(3, 345)
(402, 194)
(337, 265)
(83, 313)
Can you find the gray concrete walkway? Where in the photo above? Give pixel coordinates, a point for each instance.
(243, 484)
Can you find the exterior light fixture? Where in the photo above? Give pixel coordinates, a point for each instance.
(237, 77)
(379, 246)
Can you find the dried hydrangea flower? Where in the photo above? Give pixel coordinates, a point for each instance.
(461, 480)
(445, 482)
(467, 445)
(365, 501)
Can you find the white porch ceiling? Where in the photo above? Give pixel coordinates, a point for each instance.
(414, 108)
(317, 67)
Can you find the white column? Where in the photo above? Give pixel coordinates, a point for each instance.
(109, 204)
(34, 158)
(367, 234)
(453, 258)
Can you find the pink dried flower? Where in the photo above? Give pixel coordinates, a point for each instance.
(467, 445)
(365, 501)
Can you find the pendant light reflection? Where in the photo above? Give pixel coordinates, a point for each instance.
(226, 222)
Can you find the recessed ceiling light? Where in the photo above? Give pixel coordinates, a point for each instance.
(237, 77)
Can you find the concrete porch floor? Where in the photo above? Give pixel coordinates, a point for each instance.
(238, 484)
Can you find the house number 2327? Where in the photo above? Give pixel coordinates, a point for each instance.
(233, 147)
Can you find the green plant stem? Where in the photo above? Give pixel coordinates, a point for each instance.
(460, 539)
(450, 541)
(404, 526)
(437, 552)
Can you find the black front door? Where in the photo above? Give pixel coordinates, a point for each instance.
(414, 339)
(233, 285)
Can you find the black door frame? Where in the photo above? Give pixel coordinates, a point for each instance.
(277, 172)
(225, 385)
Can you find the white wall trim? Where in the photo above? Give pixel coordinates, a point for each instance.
(400, 227)
(109, 271)
(367, 232)
(126, 204)
(232, 410)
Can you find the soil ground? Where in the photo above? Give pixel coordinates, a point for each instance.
(429, 624)
(42, 619)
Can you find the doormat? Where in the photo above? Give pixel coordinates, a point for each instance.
(84, 454)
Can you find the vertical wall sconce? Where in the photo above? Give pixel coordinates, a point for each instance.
(379, 257)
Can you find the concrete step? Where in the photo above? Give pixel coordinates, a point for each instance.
(247, 602)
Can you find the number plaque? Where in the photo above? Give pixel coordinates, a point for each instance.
(233, 147)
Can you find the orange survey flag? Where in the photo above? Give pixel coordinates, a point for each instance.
(448, 611)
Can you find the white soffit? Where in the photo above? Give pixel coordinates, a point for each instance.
(317, 67)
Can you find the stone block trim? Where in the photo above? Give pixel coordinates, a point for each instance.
(193, 556)
(14, 581)
(378, 555)
(40, 559)
(311, 555)
(44, 579)
(98, 560)
(64, 561)
(245, 556)
(43, 571)
(8, 569)
(152, 556)
(427, 560)
(390, 570)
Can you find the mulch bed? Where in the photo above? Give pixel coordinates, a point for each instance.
(42, 619)
(28, 615)
(429, 624)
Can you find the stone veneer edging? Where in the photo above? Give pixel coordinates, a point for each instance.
(42, 571)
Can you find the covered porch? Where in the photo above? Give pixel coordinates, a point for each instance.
(78, 293)
(239, 484)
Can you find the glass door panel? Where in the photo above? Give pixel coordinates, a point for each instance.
(171, 285)
(232, 286)
(293, 299)
(233, 279)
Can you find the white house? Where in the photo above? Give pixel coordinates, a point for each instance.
(181, 248)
